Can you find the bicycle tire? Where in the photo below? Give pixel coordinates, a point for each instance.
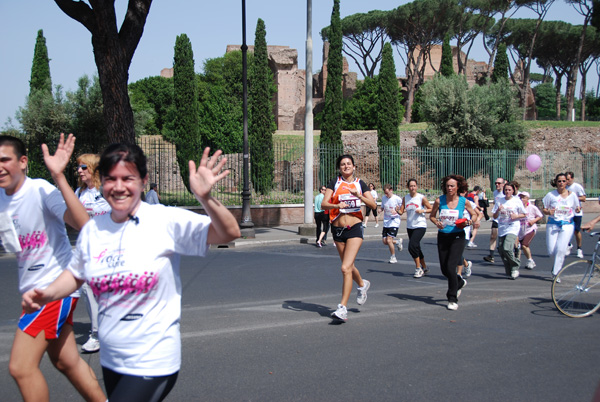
(576, 289)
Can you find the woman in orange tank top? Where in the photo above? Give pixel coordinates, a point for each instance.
(343, 198)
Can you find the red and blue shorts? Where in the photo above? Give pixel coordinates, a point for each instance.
(50, 318)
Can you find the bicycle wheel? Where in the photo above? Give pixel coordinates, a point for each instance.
(576, 289)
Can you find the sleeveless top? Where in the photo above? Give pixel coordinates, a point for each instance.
(449, 216)
(341, 193)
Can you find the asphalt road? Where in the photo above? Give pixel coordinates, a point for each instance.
(256, 327)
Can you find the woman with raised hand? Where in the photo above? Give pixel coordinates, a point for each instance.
(451, 234)
(343, 198)
(130, 259)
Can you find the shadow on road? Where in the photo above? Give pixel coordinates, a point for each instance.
(422, 299)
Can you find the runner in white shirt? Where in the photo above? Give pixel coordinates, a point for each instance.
(130, 259)
(509, 211)
(390, 205)
(416, 206)
(561, 206)
(494, 234)
(580, 193)
(94, 203)
(38, 212)
(369, 210)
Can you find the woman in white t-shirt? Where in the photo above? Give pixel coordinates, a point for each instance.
(561, 205)
(509, 211)
(374, 210)
(416, 206)
(89, 194)
(130, 258)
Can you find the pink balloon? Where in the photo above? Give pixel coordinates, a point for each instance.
(533, 162)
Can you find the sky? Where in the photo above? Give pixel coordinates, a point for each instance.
(210, 25)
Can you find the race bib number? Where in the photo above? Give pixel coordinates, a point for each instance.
(448, 217)
(505, 216)
(412, 207)
(563, 213)
(351, 201)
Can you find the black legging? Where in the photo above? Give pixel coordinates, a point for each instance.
(450, 249)
(131, 388)
(322, 220)
(482, 204)
(414, 242)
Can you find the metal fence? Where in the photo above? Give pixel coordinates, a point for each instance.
(427, 165)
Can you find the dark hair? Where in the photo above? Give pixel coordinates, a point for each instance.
(409, 180)
(461, 184)
(341, 157)
(513, 184)
(388, 186)
(116, 153)
(570, 174)
(553, 181)
(153, 185)
(477, 188)
(372, 184)
(16, 143)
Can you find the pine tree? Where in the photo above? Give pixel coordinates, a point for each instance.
(500, 64)
(446, 66)
(261, 125)
(40, 69)
(331, 132)
(388, 119)
(185, 135)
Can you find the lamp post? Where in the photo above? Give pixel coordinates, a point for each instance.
(308, 122)
(246, 225)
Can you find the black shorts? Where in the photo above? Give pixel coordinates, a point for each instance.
(389, 232)
(577, 222)
(494, 225)
(341, 234)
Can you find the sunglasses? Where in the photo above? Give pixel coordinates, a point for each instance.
(82, 167)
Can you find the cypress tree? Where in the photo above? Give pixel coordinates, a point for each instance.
(40, 69)
(388, 119)
(446, 66)
(331, 132)
(500, 64)
(261, 119)
(185, 135)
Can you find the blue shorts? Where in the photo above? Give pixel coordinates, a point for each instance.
(50, 318)
(577, 222)
(389, 232)
(341, 234)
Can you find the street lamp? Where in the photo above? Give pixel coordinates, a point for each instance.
(246, 225)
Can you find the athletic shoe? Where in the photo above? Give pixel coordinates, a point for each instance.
(557, 279)
(319, 244)
(393, 259)
(340, 314)
(471, 245)
(530, 264)
(569, 248)
(579, 253)
(453, 306)
(464, 285)
(323, 243)
(399, 244)
(489, 259)
(418, 273)
(468, 268)
(377, 225)
(361, 297)
(425, 271)
(514, 274)
(364, 226)
(92, 345)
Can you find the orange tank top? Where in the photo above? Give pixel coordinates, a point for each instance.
(341, 192)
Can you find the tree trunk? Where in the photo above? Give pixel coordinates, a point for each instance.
(558, 97)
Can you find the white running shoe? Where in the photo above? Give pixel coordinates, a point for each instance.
(92, 345)
(557, 279)
(377, 225)
(461, 288)
(361, 297)
(418, 273)
(579, 253)
(514, 274)
(530, 264)
(399, 244)
(340, 314)
(471, 245)
(468, 268)
(453, 306)
(364, 225)
(393, 259)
